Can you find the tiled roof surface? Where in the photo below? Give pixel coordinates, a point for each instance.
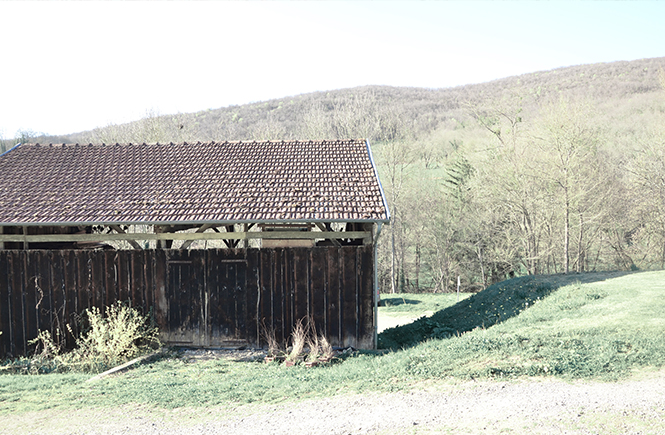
(201, 182)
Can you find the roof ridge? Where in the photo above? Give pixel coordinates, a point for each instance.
(211, 142)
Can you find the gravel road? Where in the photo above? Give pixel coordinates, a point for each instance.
(533, 406)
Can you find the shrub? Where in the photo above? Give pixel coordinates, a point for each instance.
(269, 334)
(111, 339)
(326, 349)
(305, 345)
(298, 340)
(122, 334)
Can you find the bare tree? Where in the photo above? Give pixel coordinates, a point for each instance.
(569, 143)
(396, 158)
(152, 128)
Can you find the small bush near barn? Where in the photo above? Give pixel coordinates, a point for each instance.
(114, 337)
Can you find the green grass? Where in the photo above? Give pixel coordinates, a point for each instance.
(599, 326)
(595, 326)
(415, 305)
(495, 304)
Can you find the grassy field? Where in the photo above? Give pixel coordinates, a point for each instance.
(417, 305)
(401, 309)
(593, 326)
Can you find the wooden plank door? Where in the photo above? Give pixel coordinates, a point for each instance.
(227, 319)
(206, 303)
(185, 285)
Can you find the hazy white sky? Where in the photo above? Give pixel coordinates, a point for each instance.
(73, 66)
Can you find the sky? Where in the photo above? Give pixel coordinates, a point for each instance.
(74, 66)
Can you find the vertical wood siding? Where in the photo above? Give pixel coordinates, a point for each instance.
(209, 298)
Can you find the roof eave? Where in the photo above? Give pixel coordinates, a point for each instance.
(378, 180)
(207, 222)
(11, 149)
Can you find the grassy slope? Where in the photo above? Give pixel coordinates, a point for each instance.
(599, 329)
(588, 326)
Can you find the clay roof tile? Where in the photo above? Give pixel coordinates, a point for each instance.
(201, 182)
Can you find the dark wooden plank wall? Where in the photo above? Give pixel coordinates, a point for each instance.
(216, 298)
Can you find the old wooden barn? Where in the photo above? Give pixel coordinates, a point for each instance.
(219, 241)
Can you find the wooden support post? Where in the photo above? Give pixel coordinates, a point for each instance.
(377, 296)
(231, 243)
(246, 228)
(2, 244)
(119, 230)
(25, 242)
(369, 228)
(162, 244)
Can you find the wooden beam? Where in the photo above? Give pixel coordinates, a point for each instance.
(187, 243)
(306, 235)
(246, 228)
(119, 230)
(126, 365)
(324, 229)
(184, 236)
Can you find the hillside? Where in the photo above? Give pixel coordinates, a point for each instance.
(553, 171)
(372, 111)
(347, 111)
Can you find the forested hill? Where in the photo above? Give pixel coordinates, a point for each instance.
(555, 171)
(374, 111)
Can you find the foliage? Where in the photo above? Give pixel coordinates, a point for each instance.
(119, 336)
(47, 357)
(314, 346)
(325, 349)
(299, 337)
(305, 345)
(110, 340)
(270, 337)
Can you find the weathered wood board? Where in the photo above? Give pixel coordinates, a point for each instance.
(207, 298)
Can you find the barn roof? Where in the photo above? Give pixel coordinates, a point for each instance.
(213, 182)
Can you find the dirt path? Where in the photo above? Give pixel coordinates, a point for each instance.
(535, 406)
